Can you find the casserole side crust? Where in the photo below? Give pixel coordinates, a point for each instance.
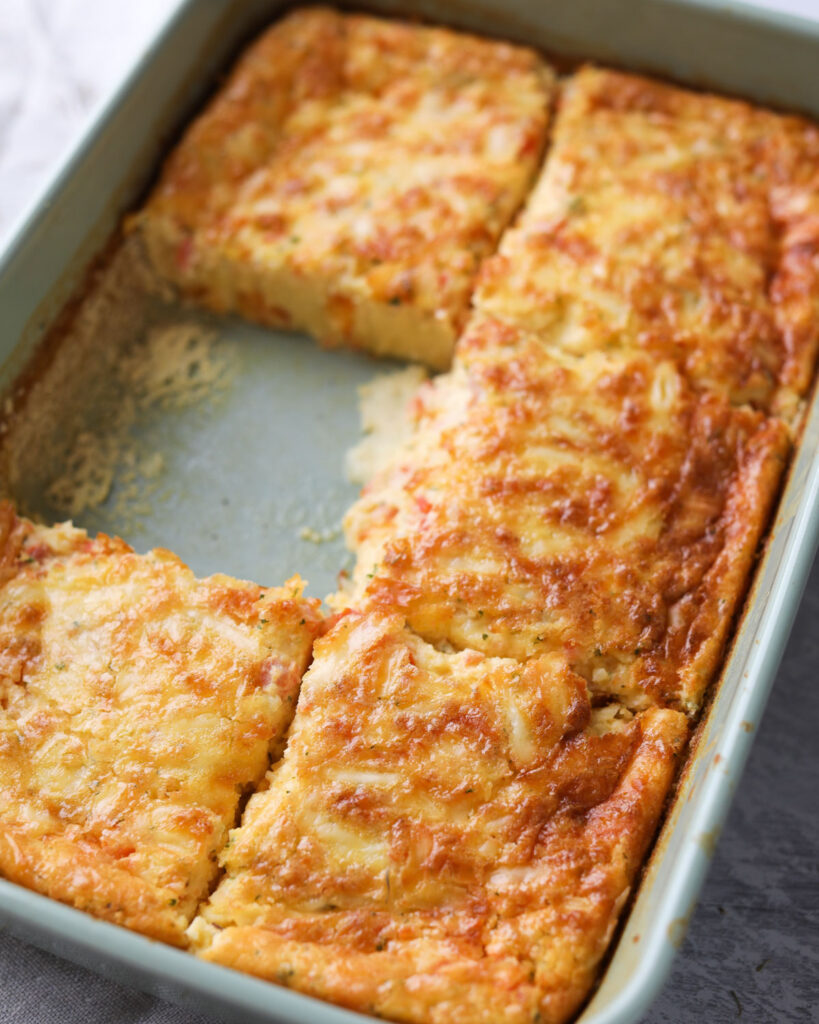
(595, 506)
(682, 224)
(448, 837)
(137, 704)
(350, 177)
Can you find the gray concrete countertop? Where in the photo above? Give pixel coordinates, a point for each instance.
(752, 951)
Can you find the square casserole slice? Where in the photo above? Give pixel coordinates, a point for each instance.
(448, 837)
(595, 506)
(137, 705)
(677, 223)
(349, 178)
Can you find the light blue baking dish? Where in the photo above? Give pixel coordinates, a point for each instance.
(285, 384)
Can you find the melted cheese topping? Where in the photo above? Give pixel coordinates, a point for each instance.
(136, 705)
(448, 836)
(594, 506)
(453, 828)
(674, 222)
(350, 177)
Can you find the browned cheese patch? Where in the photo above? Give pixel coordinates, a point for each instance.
(681, 224)
(596, 506)
(137, 704)
(448, 836)
(350, 177)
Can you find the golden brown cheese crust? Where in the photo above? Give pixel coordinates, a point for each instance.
(137, 704)
(448, 837)
(350, 177)
(679, 223)
(595, 506)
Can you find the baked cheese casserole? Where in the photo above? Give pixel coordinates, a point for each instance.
(449, 837)
(137, 705)
(547, 568)
(676, 223)
(596, 506)
(350, 177)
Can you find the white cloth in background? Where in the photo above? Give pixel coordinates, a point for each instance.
(58, 60)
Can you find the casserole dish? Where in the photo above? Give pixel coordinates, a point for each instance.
(677, 865)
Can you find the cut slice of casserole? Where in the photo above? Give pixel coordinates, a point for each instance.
(595, 506)
(682, 224)
(349, 178)
(137, 705)
(448, 837)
